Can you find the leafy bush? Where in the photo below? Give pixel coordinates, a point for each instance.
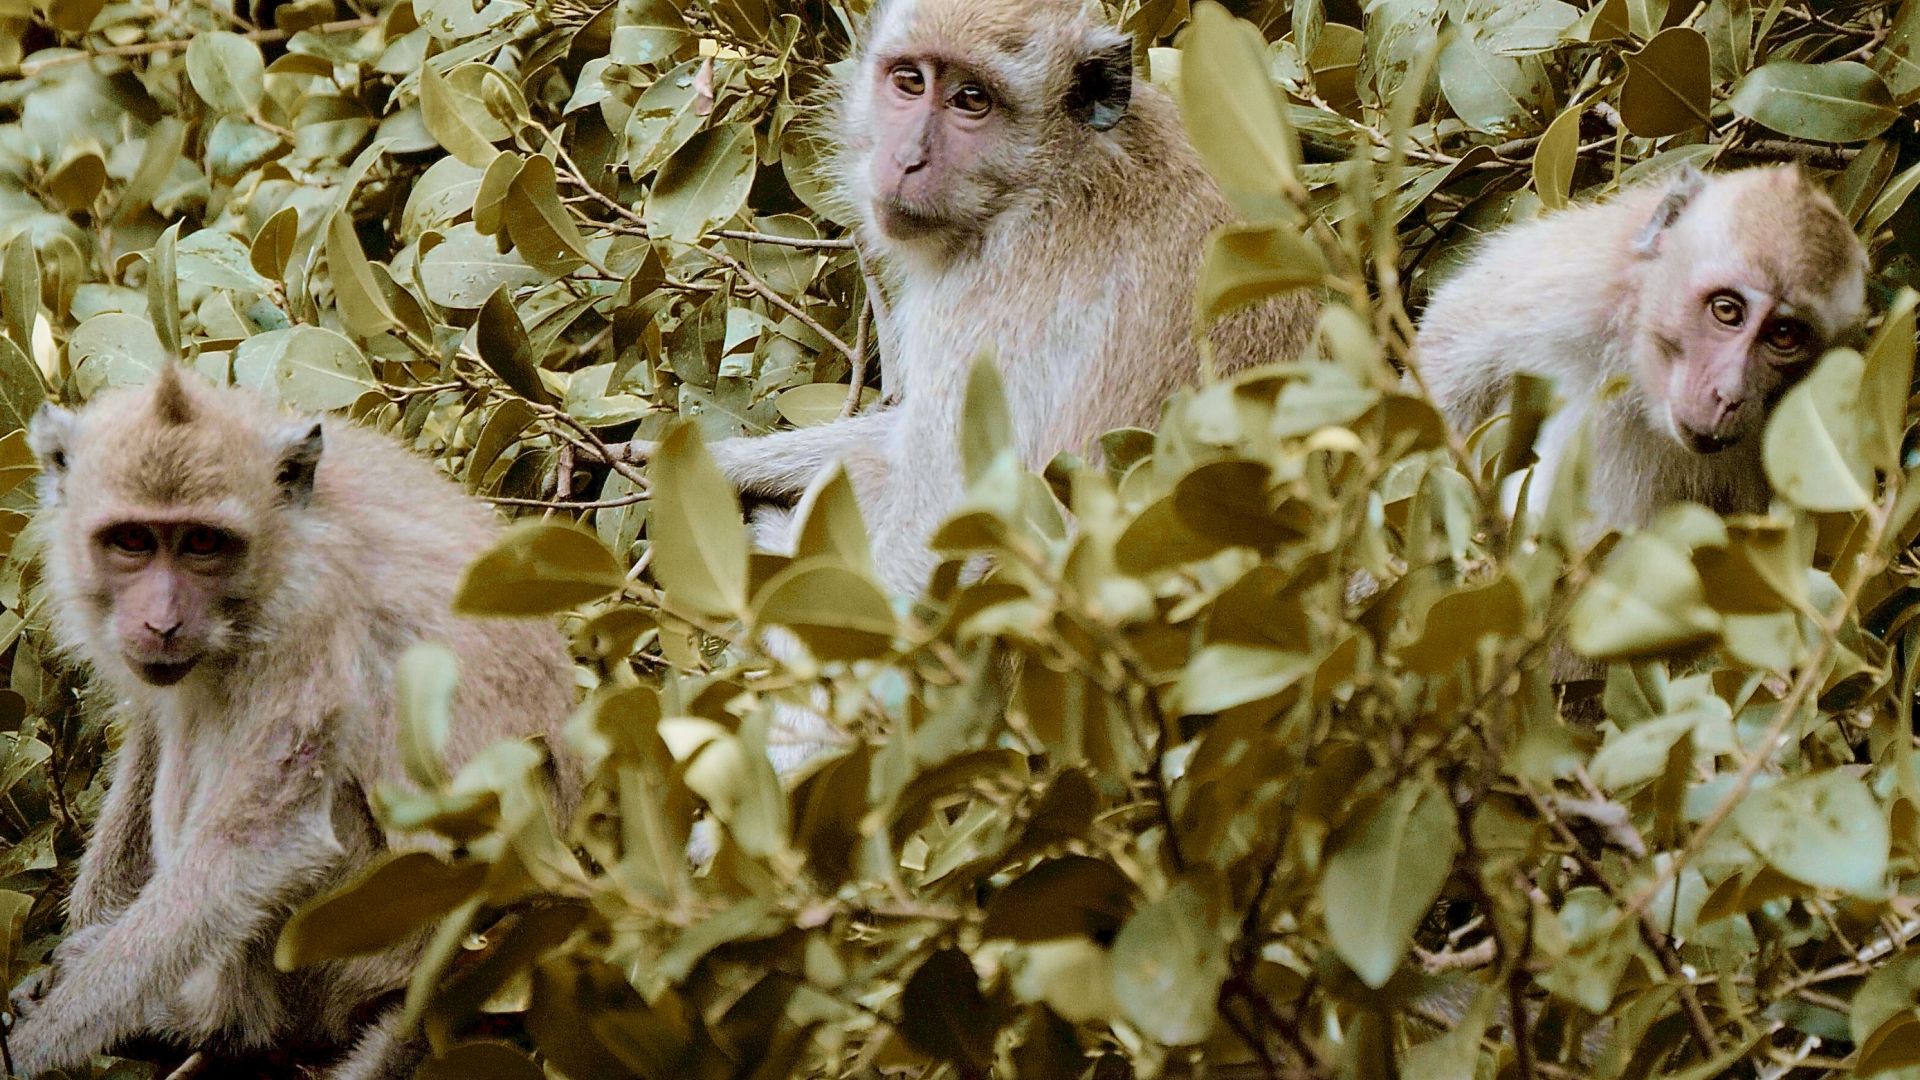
(1157, 795)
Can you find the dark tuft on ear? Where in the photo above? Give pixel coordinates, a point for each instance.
(1681, 190)
(299, 463)
(1102, 87)
(170, 402)
(48, 434)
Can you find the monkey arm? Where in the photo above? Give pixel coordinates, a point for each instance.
(784, 463)
(118, 859)
(249, 860)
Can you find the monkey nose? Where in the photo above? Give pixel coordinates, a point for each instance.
(164, 633)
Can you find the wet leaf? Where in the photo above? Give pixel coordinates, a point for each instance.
(1837, 102)
(1668, 88)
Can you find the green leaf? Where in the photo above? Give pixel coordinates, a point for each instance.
(1069, 896)
(832, 527)
(1236, 116)
(1836, 102)
(227, 71)
(163, 292)
(504, 348)
(1246, 264)
(1554, 159)
(542, 230)
(424, 683)
(1669, 84)
(1647, 599)
(305, 366)
(1885, 384)
(539, 568)
(1383, 871)
(1815, 448)
(986, 426)
(704, 183)
(466, 268)
(394, 898)
(111, 349)
(1490, 92)
(1168, 966)
(699, 538)
(1825, 830)
(943, 1012)
(480, 1061)
(456, 121)
(362, 306)
(837, 612)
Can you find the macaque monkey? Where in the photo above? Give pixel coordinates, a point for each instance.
(243, 581)
(1024, 196)
(1709, 295)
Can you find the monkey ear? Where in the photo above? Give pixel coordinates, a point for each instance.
(1681, 190)
(48, 434)
(1103, 85)
(299, 462)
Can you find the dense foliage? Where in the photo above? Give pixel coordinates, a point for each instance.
(1156, 796)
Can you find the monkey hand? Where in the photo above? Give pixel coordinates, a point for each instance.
(26, 996)
(634, 451)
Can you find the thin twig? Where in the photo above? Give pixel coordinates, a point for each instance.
(193, 1066)
(142, 48)
(550, 504)
(784, 304)
(837, 243)
(857, 377)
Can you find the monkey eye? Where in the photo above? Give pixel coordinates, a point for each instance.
(131, 539)
(1785, 336)
(205, 542)
(1727, 309)
(972, 99)
(908, 80)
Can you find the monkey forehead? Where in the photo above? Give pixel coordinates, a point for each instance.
(1774, 229)
(220, 455)
(1026, 33)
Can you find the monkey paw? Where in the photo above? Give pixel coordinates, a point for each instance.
(26, 996)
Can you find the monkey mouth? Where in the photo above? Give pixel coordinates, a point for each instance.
(162, 674)
(1701, 443)
(902, 222)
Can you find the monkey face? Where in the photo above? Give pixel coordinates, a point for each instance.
(1745, 283)
(167, 513)
(960, 111)
(164, 583)
(1734, 349)
(938, 161)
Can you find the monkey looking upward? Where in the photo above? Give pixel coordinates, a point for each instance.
(1026, 197)
(243, 582)
(1710, 295)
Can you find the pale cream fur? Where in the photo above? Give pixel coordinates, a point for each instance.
(243, 791)
(1585, 295)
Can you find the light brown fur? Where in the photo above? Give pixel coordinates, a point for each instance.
(1592, 293)
(1070, 256)
(243, 790)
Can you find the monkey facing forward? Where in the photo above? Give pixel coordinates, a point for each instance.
(243, 582)
(1025, 197)
(1709, 295)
